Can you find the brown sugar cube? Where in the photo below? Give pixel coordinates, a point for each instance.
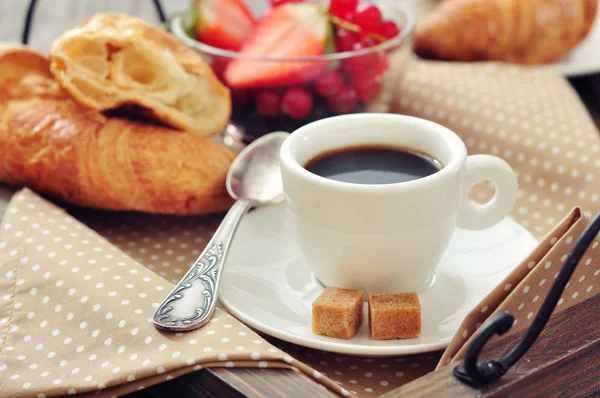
(394, 316)
(337, 312)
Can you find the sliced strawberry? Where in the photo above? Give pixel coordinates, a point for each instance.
(223, 23)
(290, 30)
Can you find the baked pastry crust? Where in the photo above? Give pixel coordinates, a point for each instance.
(115, 60)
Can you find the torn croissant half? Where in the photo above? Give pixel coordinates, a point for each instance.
(113, 61)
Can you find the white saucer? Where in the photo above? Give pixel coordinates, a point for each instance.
(267, 284)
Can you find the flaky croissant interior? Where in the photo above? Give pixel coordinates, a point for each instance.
(113, 60)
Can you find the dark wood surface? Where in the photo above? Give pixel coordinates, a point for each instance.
(233, 383)
(572, 374)
(564, 362)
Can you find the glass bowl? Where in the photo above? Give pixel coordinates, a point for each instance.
(390, 57)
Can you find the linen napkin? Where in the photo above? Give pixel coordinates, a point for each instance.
(75, 315)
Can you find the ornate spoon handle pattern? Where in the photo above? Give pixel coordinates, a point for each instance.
(191, 303)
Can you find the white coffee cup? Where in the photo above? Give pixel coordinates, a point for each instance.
(386, 238)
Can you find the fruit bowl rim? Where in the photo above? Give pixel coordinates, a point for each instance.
(176, 28)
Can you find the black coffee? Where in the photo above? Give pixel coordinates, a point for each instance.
(373, 165)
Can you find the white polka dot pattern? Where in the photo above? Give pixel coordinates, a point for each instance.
(67, 331)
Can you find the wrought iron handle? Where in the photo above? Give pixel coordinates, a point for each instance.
(191, 303)
(33, 4)
(479, 373)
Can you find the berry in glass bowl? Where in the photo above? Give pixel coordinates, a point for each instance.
(302, 60)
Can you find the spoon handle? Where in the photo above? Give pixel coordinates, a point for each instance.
(191, 303)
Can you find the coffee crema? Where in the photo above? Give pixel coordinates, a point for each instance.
(373, 164)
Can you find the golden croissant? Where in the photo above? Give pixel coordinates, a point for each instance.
(54, 145)
(520, 31)
(115, 60)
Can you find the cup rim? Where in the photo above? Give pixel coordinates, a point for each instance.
(455, 144)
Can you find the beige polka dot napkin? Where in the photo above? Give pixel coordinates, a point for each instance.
(75, 315)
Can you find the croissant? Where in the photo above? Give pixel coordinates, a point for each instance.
(54, 145)
(114, 60)
(519, 31)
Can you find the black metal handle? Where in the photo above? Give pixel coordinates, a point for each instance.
(479, 373)
(33, 4)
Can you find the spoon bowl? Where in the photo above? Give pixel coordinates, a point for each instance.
(255, 174)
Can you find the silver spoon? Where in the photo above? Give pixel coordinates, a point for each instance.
(254, 179)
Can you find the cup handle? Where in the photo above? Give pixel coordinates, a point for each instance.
(480, 168)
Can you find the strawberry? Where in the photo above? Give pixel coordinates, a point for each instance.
(290, 30)
(223, 23)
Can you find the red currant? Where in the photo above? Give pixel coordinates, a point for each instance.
(297, 102)
(344, 101)
(329, 83)
(345, 40)
(389, 29)
(342, 8)
(359, 63)
(367, 87)
(368, 18)
(277, 3)
(267, 103)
